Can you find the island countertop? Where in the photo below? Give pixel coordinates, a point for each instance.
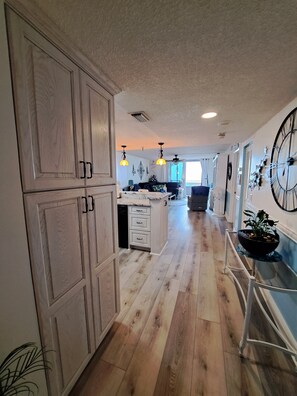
(140, 198)
(133, 202)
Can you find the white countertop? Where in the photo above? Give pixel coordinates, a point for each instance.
(135, 198)
(133, 202)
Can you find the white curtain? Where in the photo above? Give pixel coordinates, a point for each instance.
(184, 175)
(204, 166)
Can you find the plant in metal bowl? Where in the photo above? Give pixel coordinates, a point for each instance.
(261, 238)
(22, 361)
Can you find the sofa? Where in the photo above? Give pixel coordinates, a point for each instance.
(199, 197)
(172, 187)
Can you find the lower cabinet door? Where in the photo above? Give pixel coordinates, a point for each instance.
(57, 231)
(103, 244)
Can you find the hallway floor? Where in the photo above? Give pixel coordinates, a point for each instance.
(180, 325)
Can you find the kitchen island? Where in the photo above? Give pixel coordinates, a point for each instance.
(147, 226)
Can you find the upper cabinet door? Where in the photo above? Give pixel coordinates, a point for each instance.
(47, 104)
(98, 129)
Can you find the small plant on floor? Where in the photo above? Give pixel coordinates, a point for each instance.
(22, 361)
(263, 228)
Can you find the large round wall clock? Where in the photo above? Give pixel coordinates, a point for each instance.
(283, 166)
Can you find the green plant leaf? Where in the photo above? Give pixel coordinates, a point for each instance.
(22, 361)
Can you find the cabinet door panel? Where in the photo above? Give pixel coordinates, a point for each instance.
(57, 232)
(106, 290)
(47, 102)
(103, 257)
(71, 332)
(61, 243)
(98, 129)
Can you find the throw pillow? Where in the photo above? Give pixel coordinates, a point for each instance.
(158, 188)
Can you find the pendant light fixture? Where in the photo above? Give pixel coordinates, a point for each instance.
(161, 160)
(123, 161)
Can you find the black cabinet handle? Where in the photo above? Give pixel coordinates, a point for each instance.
(93, 203)
(86, 204)
(91, 169)
(84, 169)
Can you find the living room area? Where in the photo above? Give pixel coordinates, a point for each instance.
(177, 177)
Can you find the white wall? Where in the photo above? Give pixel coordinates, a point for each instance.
(262, 198)
(160, 171)
(124, 173)
(18, 319)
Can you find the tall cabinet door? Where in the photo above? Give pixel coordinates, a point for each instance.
(103, 257)
(98, 129)
(47, 100)
(57, 230)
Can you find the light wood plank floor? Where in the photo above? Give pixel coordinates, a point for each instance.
(180, 324)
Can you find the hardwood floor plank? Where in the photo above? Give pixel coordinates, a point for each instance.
(176, 267)
(101, 379)
(129, 292)
(231, 316)
(208, 307)
(208, 364)
(175, 373)
(142, 373)
(121, 348)
(190, 278)
(242, 376)
(206, 239)
(218, 240)
(133, 264)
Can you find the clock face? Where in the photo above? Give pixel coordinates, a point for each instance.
(283, 167)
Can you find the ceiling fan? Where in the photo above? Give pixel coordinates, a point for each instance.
(175, 160)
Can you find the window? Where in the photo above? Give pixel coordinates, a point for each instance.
(176, 172)
(193, 173)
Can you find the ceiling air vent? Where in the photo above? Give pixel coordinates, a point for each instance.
(140, 116)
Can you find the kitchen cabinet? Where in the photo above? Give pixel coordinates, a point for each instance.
(67, 158)
(64, 117)
(97, 115)
(57, 229)
(140, 227)
(103, 244)
(147, 220)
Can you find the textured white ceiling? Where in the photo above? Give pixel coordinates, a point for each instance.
(177, 59)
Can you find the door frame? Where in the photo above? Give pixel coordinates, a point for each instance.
(246, 165)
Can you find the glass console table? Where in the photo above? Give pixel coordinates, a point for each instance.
(263, 274)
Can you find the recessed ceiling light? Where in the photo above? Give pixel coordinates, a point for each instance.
(209, 115)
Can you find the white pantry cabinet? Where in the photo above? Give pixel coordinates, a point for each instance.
(65, 127)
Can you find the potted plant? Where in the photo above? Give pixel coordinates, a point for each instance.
(22, 361)
(261, 238)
